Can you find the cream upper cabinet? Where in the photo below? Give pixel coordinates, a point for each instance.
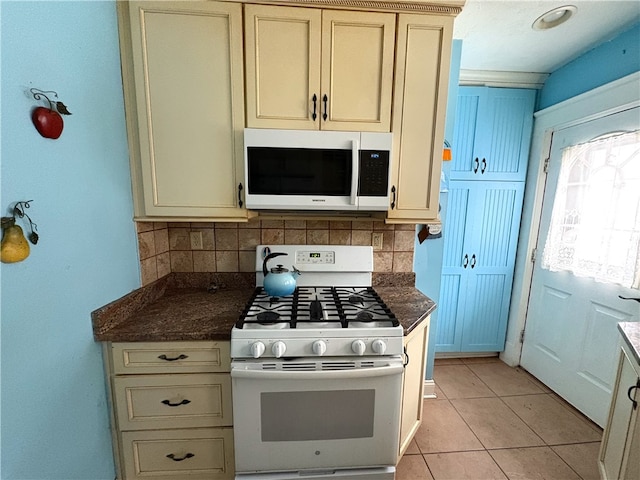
(318, 69)
(183, 77)
(419, 105)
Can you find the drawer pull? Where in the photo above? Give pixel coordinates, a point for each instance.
(175, 459)
(631, 389)
(182, 356)
(183, 402)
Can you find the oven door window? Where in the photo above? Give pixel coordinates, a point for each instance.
(323, 415)
(299, 171)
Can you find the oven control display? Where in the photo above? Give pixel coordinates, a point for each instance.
(315, 257)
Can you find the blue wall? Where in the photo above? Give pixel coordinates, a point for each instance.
(607, 62)
(54, 422)
(428, 255)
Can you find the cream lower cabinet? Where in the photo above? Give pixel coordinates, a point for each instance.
(182, 64)
(620, 448)
(419, 106)
(315, 69)
(171, 410)
(415, 344)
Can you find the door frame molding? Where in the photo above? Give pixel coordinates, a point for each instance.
(614, 97)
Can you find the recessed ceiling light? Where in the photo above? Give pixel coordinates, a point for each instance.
(554, 17)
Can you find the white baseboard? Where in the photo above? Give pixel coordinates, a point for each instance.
(429, 389)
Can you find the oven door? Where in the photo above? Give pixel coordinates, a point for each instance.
(297, 415)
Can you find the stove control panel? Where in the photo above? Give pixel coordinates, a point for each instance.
(319, 347)
(314, 257)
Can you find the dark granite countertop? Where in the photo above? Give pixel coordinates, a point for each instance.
(206, 306)
(631, 335)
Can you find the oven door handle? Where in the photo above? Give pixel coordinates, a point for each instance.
(239, 372)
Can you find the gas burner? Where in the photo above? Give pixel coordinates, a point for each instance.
(356, 300)
(265, 318)
(364, 317)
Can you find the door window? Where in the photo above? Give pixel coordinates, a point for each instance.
(595, 223)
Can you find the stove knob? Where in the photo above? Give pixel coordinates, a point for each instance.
(319, 347)
(358, 347)
(278, 349)
(379, 346)
(257, 349)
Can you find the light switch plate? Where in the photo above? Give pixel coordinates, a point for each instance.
(376, 240)
(196, 240)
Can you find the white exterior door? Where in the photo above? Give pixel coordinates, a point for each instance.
(571, 336)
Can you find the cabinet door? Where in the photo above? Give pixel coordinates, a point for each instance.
(415, 345)
(618, 434)
(357, 70)
(481, 233)
(419, 105)
(451, 305)
(282, 48)
(492, 133)
(187, 68)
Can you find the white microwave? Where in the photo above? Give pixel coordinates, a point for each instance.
(316, 170)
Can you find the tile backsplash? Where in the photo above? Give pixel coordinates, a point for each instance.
(230, 247)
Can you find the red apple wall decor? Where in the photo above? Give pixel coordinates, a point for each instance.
(48, 121)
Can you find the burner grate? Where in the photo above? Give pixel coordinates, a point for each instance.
(308, 307)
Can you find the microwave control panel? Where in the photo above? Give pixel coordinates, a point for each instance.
(374, 173)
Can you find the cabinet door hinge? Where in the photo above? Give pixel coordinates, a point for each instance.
(522, 336)
(546, 165)
(534, 254)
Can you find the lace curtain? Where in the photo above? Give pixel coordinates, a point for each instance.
(595, 224)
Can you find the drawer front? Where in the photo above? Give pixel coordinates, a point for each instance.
(198, 453)
(170, 357)
(173, 401)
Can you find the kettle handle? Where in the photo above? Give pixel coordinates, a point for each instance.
(269, 257)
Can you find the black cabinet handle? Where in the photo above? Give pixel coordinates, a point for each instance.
(406, 356)
(629, 298)
(465, 262)
(240, 188)
(475, 169)
(315, 100)
(473, 260)
(176, 459)
(631, 389)
(179, 357)
(169, 404)
(325, 100)
(393, 198)
(484, 165)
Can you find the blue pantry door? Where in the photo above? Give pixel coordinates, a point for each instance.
(480, 239)
(492, 133)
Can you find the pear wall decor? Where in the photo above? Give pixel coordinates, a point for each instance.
(14, 246)
(47, 120)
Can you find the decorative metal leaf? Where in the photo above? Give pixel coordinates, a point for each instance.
(33, 237)
(62, 108)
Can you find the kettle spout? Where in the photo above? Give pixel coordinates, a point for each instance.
(295, 272)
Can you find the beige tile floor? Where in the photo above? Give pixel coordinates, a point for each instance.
(491, 421)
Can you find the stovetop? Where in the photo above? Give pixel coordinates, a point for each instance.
(317, 307)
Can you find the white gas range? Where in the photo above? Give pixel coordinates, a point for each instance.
(317, 375)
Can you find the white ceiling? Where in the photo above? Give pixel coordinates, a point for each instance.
(497, 35)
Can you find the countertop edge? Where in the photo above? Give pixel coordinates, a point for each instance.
(630, 332)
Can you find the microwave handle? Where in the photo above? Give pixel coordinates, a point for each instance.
(355, 174)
